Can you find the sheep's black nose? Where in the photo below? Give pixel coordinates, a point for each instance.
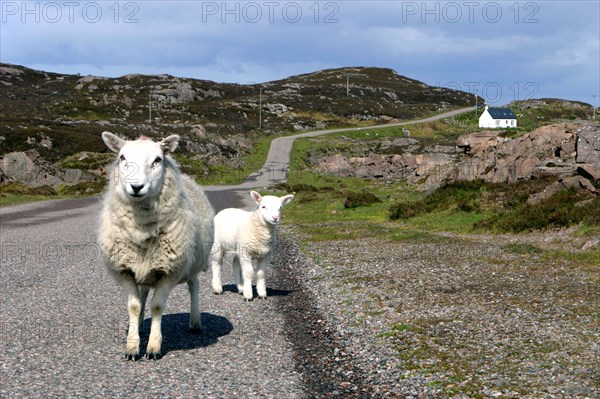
(136, 188)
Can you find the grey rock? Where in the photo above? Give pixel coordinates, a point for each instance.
(588, 145)
(29, 168)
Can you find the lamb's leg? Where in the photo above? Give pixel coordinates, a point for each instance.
(261, 277)
(144, 289)
(237, 274)
(247, 274)
(193, 288)
(217, 262)
(157, 307)
(134, 307)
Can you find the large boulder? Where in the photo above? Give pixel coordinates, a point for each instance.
(21, 166)
(478, 140)
(588, 145)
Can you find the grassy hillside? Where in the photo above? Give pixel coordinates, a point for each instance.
(72, 110)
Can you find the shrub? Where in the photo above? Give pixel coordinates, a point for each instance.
(82, 188)
(464, 195)
(363, 198)
(559, 210)
(23, 189)
(406, 209)
(86, 160)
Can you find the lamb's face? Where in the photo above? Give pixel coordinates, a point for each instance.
(270, 206)
(141, 166)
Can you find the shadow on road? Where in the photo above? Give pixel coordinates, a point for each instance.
(270, 291)
(177, 336)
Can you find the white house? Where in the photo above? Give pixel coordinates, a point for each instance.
(493, 118)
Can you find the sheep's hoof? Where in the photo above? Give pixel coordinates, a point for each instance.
(263, 297)
(153, 356)
(248, 299)
(132, 357)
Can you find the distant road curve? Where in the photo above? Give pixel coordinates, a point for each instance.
(277, 164)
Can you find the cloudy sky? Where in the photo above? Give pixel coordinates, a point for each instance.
(505, 50)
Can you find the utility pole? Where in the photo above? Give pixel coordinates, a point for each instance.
(348, 85)
(594, 107)
(150, 108)
(260, 109)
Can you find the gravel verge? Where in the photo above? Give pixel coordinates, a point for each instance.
(448, 316)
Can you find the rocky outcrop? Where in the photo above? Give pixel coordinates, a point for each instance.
(179, 93)
(588, 145)
(478, 140)
(483, 155)
(31, 169)
(408, 166)
(501, 160)
(28, 168)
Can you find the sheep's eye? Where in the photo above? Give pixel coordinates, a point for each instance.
(122, 157)
(157, 161)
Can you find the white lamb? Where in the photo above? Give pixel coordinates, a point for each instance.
(250, 236)
(156, 231)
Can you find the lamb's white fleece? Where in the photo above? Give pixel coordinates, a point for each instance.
(250, 236)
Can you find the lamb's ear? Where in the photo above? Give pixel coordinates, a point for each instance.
(256, 197)
(169, 144)
(286, 199)
(113, 142)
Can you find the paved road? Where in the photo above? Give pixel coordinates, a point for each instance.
(63, 320)
(277, 164)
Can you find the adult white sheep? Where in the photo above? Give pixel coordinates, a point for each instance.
(156, 231)
(250, 236)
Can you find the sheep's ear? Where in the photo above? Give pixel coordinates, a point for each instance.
(256, 197)
(286, 199)
(113, 142)
(169, 144)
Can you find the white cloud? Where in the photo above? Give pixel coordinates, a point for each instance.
(191, 39)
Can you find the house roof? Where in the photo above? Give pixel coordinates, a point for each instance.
(501, 113)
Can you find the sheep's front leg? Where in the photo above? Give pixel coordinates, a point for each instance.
(157, 308)
(247, 274)
(134, 308)
(143, 289)
(261, 277)
(193, 288)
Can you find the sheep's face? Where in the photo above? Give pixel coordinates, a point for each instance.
(270, 206)
(141, 166)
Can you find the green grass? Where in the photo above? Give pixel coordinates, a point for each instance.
(320, 206)
(16, 199)
(459, 207)
(17, 193)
